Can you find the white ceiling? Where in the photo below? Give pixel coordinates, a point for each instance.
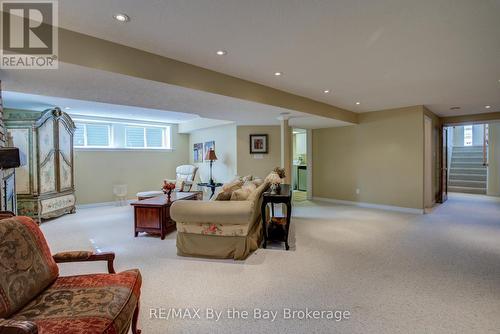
(100, 93)
(384, 53)
(17, 100)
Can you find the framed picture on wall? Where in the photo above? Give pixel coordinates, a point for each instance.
(198, 152)
(258, 144)
(208, 146)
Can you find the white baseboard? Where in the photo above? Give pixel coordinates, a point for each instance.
(98, 205)
(371, 205)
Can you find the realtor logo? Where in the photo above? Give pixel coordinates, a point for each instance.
(29, 35)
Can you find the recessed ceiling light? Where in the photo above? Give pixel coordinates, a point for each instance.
(487, 107)
(278, 73)
(121, 17)
(67, 108)
(358, 103)
(221, 52)
(326, 91)
(455, 108)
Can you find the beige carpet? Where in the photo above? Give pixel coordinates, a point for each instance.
(395, 273)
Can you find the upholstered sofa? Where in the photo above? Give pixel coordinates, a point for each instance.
(219, 229)
(35, 299)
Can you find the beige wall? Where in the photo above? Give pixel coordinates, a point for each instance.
(494, 159)
(258, 165)
(224, 169)
(97, 171)
(382, 157)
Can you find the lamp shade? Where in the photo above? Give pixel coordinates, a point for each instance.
(210, 155)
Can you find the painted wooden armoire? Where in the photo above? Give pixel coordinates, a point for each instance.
(45, 186)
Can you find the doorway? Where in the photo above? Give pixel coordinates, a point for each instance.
(468, 157)
(300, 164)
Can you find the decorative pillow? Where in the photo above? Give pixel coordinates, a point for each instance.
(224, 196)
(232, 186)
(249, 185)
(242, 194)
(247, 178)
(257, 181)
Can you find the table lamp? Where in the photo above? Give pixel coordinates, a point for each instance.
(211, 157)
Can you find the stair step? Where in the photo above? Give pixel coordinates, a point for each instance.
(467, 165)
(467, 148)
(471, 177)
(467, 183)
(467, 159)
(462, 170)
(472, 153)
(467, 190)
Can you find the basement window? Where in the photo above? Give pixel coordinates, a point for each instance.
(92, 135)
(122, 134)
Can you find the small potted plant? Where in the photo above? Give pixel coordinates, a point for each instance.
(167, 188)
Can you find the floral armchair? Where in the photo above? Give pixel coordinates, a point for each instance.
(35, 299)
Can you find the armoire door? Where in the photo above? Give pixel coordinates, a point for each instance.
(46, 157)
(65, 137)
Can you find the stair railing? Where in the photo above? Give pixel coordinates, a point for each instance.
(485, 144)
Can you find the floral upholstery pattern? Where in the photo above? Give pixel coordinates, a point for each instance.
(233, 230)
(26, 265)
(33, 297)
(97, 303)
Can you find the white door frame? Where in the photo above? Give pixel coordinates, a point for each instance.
(309, 155)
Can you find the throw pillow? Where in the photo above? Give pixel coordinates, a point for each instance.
(224, 196)
(241, 194)
(249, 185)
(247, 178)
(232, 186)
(257, 181)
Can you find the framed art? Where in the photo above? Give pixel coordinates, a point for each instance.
(198, 152)
(208, 146)
(258, 144)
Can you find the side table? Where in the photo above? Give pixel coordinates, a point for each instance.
(212, 186)
(280, 226)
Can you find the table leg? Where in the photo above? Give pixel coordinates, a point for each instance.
(264, 224)
(213, 192)
(287, 226)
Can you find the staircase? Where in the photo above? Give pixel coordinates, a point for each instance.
(467, 173)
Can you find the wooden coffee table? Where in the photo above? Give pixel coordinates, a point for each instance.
(152, 215)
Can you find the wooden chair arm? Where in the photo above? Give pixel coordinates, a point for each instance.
(86, 256)
(6, 214)
(8, 326)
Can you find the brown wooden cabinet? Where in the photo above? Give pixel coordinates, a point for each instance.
(153, 215)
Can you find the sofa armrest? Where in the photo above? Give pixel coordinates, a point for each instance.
(8, 326)
(84, 256)
(216, 212)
